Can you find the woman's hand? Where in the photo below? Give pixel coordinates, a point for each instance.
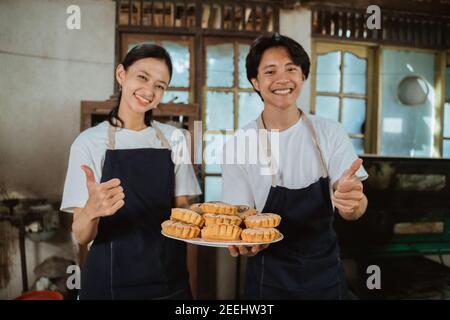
(246, 251)
(105, 199)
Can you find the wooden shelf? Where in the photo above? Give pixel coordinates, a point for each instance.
(90, 109)
(238, 16)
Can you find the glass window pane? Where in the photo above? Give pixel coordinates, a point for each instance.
(406, 130)
(220, 66)
(180, 63)
(250, 107)
(447, 120)
(213, 153)
(175, 97)
(358, 144)
(219, 110)
(327, 107)
(213, 188)
(243, 81)
(355, 70)
(354, 115)
(328, 72)
(446, 149)
(180, 56)
(447, 83)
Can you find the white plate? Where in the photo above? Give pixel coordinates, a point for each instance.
(220, 244)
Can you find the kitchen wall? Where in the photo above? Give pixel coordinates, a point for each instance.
(46, 70)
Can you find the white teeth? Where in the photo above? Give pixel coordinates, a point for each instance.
(282, 91)
(142, 99)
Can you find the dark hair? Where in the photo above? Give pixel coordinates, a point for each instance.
(262, 43)
(137, 53)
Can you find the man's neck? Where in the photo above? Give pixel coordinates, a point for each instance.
(278, 119)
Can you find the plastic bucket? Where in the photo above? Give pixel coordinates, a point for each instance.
(40, 295)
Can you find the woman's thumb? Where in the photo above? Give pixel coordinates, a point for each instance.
(90, 178)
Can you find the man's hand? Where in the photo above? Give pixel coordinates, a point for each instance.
(105, 199)
(246, 251)
(348, 196)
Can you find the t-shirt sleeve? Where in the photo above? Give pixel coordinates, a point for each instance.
(75, 192)
(342, 155)
(186, 183)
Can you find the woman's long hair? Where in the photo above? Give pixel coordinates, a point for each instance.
(137, 53)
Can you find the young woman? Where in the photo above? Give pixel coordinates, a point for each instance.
(317, 171)
(124, 176)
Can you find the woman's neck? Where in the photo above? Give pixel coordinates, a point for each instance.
(275, 118)
(131, 120)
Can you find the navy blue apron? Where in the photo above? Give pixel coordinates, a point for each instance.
(306, 263)
(129, 258)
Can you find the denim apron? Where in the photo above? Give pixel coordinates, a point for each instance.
(306, 263)
(129, 258)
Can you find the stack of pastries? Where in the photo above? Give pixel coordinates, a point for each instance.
(222, 222)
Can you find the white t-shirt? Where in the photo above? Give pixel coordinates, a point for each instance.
(90, 146)
(298, 162)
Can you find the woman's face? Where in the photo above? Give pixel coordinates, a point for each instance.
(143, 84)
(279, 80)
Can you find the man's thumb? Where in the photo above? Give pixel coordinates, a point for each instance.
(90, 178)
(353, 168)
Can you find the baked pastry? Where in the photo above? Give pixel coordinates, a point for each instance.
(221, 231)
(219, 208)
(263, 220)
(244, 211)
(211, 218)
(180, 229)
(196, 207)
(260, 234)
(187, 216)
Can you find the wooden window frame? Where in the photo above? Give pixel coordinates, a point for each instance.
(372, 143)
(235, 90)
(444, 63)
(361, 51)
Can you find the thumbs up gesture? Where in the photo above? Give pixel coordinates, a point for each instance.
(105, 199)
(348, 196)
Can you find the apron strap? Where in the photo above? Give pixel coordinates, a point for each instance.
(266, 142)
(265, 145)
(165, 143)
(322, 159)
(316, 143)
(159, 135)
(111, 137)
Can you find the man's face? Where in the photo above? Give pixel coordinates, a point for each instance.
(279, 80)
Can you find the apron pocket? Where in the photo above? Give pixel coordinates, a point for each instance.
(135, 265)
(303, 274)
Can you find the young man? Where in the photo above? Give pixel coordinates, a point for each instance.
(315, 170)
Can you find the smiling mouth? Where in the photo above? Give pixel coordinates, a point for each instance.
(142, 99)
(283, 92)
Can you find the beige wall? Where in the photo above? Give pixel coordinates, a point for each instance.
(46, 70)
